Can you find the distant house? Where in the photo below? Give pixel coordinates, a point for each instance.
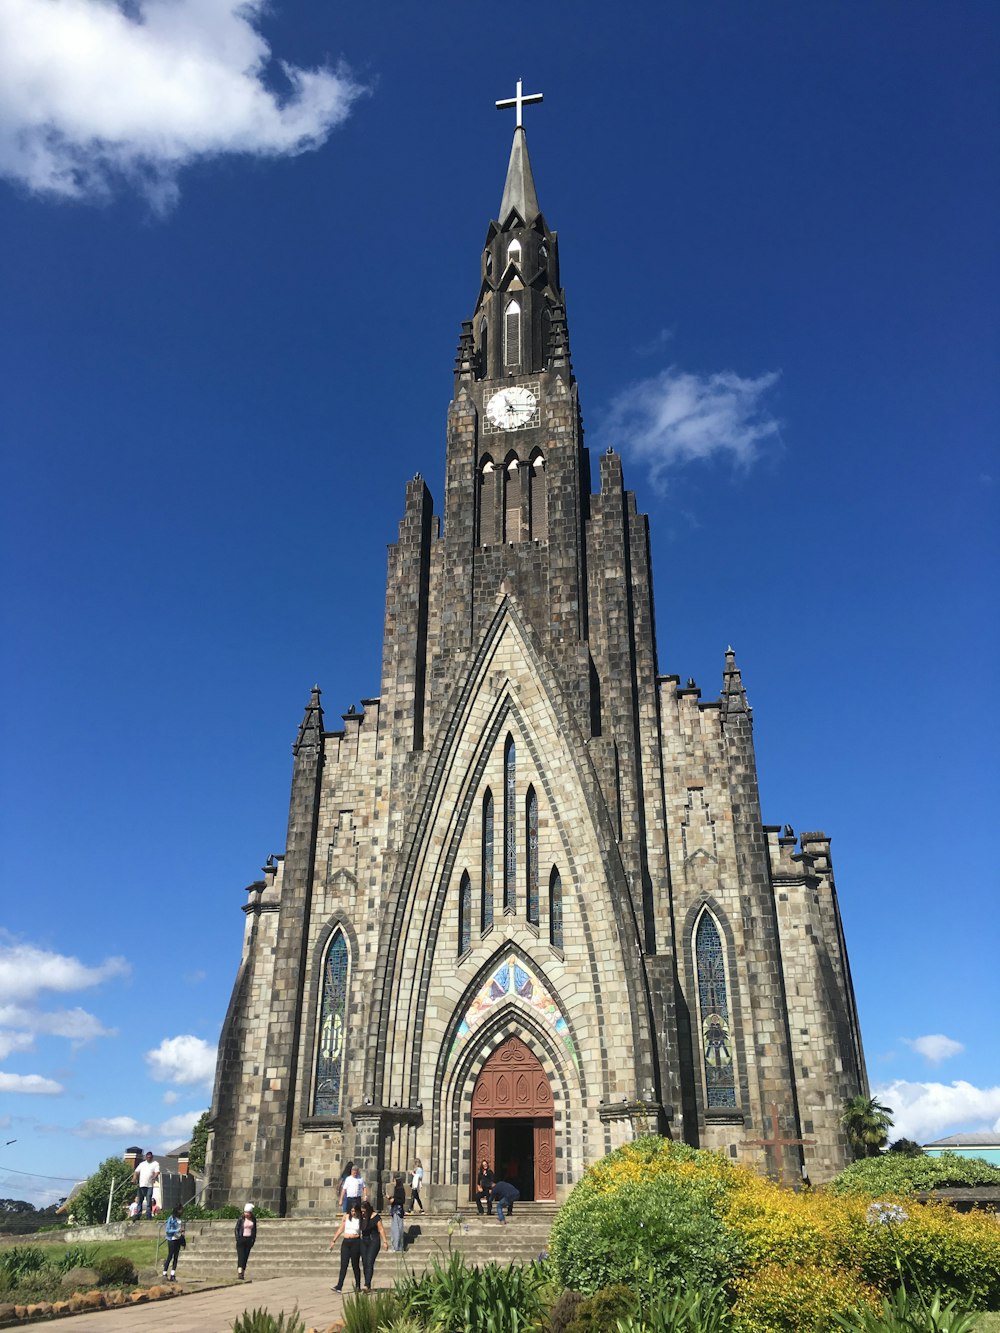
(984, 1146)
(175, 1185)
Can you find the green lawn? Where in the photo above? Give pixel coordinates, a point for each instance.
(989, 1323)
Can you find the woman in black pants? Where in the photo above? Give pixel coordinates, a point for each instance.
(372, 1240)
(484, 1186)
(246, 1234)
(350, 1247)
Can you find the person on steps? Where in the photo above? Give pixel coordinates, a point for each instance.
(484, 1187)
(246, 1235)
(396, 1209)
(350, 1247)
(175, 1242)
(416, 1181)
(504, 1195)
(372, 1240)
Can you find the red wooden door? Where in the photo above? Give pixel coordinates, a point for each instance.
(512, 1085)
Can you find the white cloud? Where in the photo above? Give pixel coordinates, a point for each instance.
(97, 92)
(76, 1024)
(177, 1129)
(928, 1111)
(676, 417)
(184, 1060)
(112, 1127)
(170, 1098)
(935, 1047)
(28, 1083)
(25, 970)
(15, 1041)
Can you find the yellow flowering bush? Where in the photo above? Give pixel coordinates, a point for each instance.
(802, 1298)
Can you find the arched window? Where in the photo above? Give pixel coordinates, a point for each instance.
(713, 1003)
(538, 518)
(486, 907)
(487, 504)
(512, 501)
(484, 349)
(514, 252)
(509, 826)
(512, 336)
(332, 1025)
(464, 914)
(531, 839)
(555, 910)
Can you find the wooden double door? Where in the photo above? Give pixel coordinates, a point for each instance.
(513, 1124)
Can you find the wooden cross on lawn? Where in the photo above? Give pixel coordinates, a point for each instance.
(776, 1141)
(518, 101)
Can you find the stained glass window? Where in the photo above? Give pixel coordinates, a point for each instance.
(510, 827)
(717, 1043)
(465, 914)
(531, 832)
(555, 910)
(332, 1022)
(486, 913)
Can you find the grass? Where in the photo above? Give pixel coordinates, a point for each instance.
(988, 1323)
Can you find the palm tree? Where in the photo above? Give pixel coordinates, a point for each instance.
(867, 1123)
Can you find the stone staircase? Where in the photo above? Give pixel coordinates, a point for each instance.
(291, 1245)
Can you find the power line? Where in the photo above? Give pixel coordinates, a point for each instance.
(38, 1175)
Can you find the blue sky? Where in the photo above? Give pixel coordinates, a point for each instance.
(238, 249)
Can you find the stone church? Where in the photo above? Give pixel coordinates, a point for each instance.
(528, 908)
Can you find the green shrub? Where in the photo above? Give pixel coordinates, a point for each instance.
(19, 1262)
(685, 1311)
(618, 1220)
(262, 1321)
(563, 1310)
(369, 1313)
(905, 1313)
(780, 1299)
(895, 1173)
(601, 1311)
(194, 1212)
(456, 1298)
(76, 1256)
(116, 1270)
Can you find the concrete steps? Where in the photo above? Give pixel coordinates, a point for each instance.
(299, 1246)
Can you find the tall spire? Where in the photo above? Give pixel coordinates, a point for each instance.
(734, 695)
(519, 188)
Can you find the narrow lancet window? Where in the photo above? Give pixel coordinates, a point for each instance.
(713, 1002)
(464, 914)
(510, 827)
(512, 501)
(512, 336)
(531, 835)
(555, 910)
(332, 1020)
(484, 349)
(487, 504)
(538, 518)
(514, 252)
(486, 907)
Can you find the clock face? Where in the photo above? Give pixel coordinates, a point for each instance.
(511, 408)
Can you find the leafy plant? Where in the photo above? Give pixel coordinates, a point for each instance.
(370, 1313)
(77, 1256)
(199, 1143)
(782, 1299)
(903, 1313)
(867, 1123)
(90, 1203)
(262, 1321)
(116, 1270)
(896, 1173)
(693, 1310)
(19, 1262)
(604, 1309)
(194, 1212)
(456, 1298)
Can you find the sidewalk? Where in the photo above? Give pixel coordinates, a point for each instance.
(214, 1311)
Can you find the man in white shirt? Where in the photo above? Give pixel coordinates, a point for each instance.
(353, 1190)
(146, 1174)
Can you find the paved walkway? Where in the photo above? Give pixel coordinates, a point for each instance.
(213, 1311)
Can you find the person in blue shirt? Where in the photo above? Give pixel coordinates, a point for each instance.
(504, 1195)
(175, 1243)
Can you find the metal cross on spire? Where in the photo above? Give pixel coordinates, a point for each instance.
(518, 101)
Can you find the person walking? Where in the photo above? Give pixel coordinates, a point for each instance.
(484, 1187)
(175, 1242)
(145, 1175)
(416, 1180)
(396, 1209)
(350, 1247)
(353, 1190)
(504, 1195)
(372, 1240)
(246, 1236)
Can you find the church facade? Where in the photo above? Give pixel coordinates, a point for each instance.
(528, 908)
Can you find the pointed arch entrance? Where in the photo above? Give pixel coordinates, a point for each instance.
(513, 1123)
